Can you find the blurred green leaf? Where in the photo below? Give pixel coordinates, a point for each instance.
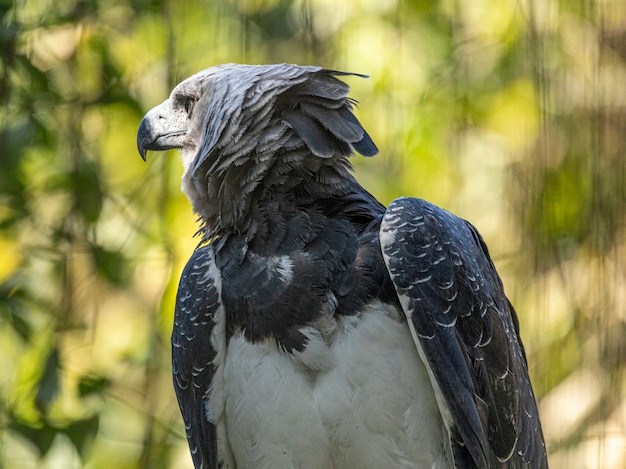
(40, 435)
(48, 386)
(14, 310)
(90, 384)
(82, 433)
(88, 192)
(110, 264)
(14, 139)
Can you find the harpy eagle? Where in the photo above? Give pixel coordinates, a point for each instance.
(314, 327)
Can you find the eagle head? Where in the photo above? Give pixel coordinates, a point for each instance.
(244, 128)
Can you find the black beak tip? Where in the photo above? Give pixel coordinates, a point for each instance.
(143, 138)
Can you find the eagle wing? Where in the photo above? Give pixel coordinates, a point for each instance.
(467, 333)
(193, 353)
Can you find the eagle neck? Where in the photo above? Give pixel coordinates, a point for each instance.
(260, 211)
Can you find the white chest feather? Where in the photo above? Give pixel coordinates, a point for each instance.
(361, 400)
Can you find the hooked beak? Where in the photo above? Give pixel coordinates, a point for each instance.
(144, 137)
(154, 134)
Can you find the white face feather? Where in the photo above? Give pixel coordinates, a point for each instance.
(186, 108)
(193, 111)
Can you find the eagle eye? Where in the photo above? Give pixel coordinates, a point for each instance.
(188, 103)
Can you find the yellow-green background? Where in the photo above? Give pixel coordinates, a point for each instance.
(511, 113)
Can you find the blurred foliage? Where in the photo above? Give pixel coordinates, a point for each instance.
(511, 114)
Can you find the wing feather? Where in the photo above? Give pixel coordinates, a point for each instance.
(193, 354)
(467, 331)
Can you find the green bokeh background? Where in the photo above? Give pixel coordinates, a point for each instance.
(510, 113)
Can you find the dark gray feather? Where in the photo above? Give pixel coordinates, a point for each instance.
(317, 139)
